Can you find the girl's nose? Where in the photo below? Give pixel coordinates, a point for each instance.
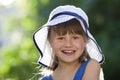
(68, 42)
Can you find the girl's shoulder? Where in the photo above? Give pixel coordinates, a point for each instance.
(93, 63)
(94, 67)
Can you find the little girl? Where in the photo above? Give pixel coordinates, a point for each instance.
(67, 47)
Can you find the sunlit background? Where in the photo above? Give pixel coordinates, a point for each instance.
(20, 18)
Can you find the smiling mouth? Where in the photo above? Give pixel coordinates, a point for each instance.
(68, 52)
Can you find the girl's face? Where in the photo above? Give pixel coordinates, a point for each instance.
(68, 48)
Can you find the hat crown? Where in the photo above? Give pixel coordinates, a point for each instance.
(69, 8)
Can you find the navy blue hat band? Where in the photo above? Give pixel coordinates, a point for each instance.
(71, 14)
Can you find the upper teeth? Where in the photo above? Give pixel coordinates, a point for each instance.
(68, 51)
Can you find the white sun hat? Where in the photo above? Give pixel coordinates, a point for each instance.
(59, 15)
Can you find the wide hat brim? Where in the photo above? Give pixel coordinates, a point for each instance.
(42, 43)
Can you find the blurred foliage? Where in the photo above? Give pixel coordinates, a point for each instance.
(104, 17)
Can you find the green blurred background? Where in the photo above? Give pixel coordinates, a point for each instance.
(20, 18)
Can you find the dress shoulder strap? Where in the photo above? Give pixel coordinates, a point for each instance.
(47, 78)
(79, 74)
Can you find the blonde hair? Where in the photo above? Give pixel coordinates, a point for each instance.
(72, 27)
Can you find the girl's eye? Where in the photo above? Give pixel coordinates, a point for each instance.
(75, 37)
(60, 38)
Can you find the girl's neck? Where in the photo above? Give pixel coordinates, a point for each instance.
(68, 66)
(65, 71)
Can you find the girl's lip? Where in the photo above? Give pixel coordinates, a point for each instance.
(68, 52)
